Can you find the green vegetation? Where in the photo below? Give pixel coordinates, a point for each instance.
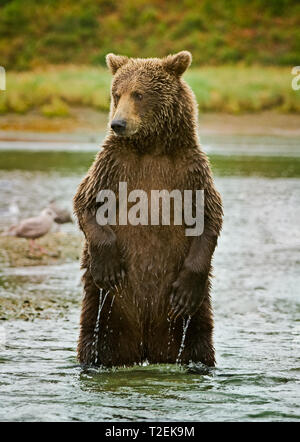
(246, 50)
(232, 89)
(35, 33)
(69, 163)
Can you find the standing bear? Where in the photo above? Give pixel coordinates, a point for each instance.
(146, 287)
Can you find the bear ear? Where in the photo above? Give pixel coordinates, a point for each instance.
(114, 62)
(177, 64)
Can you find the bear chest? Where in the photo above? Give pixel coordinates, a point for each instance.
(152, 173)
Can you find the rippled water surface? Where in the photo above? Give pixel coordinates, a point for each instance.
(255, 298)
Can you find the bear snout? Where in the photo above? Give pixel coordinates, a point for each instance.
(118, 126)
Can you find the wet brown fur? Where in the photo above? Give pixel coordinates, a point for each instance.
(160, 150)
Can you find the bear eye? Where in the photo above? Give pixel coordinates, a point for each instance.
(137, 96)
(116, 98)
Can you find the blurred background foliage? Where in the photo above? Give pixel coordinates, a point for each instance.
(233, 89)
(54, 50)
(34, 32)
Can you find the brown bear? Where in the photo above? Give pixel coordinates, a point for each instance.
(146, 287)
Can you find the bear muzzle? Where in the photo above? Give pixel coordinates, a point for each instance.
(118, 126)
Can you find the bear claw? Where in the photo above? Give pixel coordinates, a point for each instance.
(187, 294)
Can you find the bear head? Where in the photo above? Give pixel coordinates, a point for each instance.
(149, 96)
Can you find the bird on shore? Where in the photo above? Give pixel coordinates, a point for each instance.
(33, 228)
(63, 216)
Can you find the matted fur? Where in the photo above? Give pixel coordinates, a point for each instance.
(160, 151)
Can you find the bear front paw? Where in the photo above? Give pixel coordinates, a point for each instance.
(187, 293)
(106, 269)
(107, 275)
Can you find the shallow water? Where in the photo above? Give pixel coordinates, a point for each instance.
(255, 298)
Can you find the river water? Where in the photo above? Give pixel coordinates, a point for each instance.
(255, 299)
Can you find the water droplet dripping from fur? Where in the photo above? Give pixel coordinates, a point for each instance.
(186, 323)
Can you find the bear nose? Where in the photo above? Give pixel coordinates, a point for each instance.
(118, 126)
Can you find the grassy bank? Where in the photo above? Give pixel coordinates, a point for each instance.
(233, 89)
